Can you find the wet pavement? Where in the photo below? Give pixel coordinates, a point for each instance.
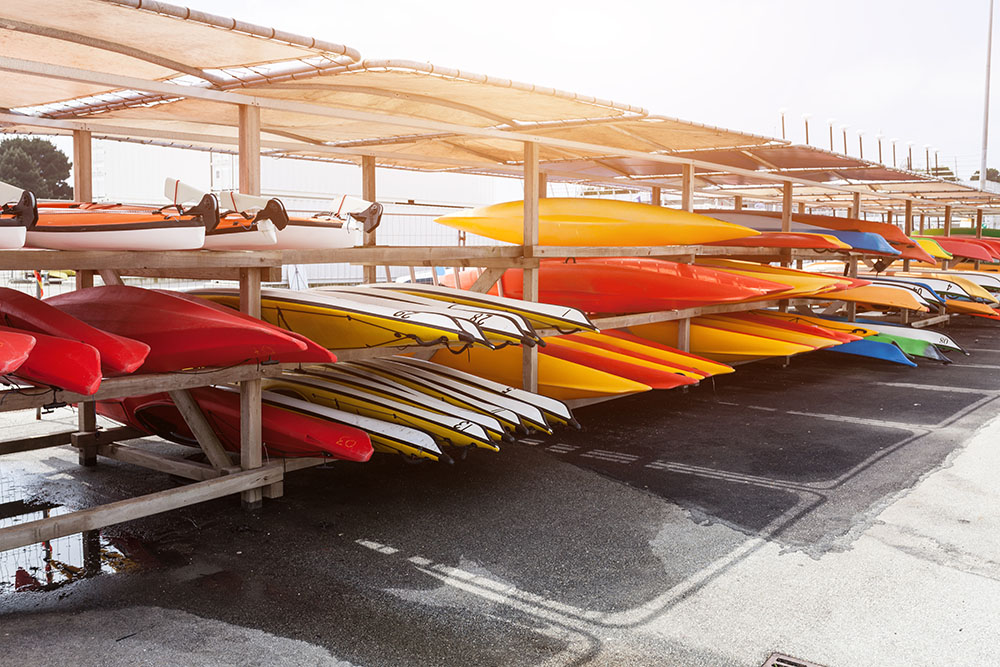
(837, 509)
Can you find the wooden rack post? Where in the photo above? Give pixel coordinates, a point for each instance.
(656, 196)
(251, 456)
(529, 370)
(85, 438)
(979, 223)
(947, 220)
(687, 204)
(368, 194)
(907, 227)
(83, 168)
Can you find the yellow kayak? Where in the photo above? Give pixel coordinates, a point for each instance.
(879, 295)
(719, 344)
(743, 326)
(688, 364)
(557, 378)
(934, 249)
(969, 308)
(343, 324)
(577, 221)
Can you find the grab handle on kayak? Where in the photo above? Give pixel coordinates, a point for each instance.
(25, 211)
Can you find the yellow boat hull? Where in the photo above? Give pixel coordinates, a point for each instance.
(557, 378)
(719, 344)
(576, 221)
(743, 326)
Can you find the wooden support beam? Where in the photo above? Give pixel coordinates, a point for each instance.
(200, 427)
(907, 227)
(979, 223)
(852, 307)
(947, 220)
(684, 335)
(84, 439)
(922, 216)
(738, 202)
(856, 205)
(368, 194)
(111, 277)
(656, 196)
(23, 534)
(786, 207)
(487, 279)
(83, 167)
(65, 438)
(802, 207)
(171, 465)
(543, 185)
(687, 187)
(529, 360)
(249, 149)
(251, 456)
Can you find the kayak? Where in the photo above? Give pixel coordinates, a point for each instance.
(876, 350)
(800, 240)
(636, 285)
(719, 344)
(771, 220)
(620, 363)
(180, 333)
(542, 315)
(557, 378)
(555, 411)
(495, 425)
(499, 328)
(933, 248)
(760, 318)
(338, 323)
(445, 429)
(15, 218)
(878, 295)
(385, 437)
(119, 355)
(620, 341)
(577, 221)
(866, 242)
(83, 228)
(793, 335)
(794, 283)
(60, 362)
(286, 429)
(14, 350)
(459, 393)
(964, 248)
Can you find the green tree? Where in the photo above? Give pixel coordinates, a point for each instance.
(37, 165)
(991, 175)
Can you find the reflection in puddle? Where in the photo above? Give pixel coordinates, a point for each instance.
(45, 566)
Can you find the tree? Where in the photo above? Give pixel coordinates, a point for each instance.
(37, 165)
(991, 175)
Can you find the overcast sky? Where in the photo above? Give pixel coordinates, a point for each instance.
(910, 69)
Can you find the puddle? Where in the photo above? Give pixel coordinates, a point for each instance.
(46, 566)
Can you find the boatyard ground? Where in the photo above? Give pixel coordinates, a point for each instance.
(837, 510)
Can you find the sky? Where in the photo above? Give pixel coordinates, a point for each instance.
(908, 69)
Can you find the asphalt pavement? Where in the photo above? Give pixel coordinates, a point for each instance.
(839, 510)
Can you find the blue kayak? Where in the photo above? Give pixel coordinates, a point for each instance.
(864, 241)
(875, 350)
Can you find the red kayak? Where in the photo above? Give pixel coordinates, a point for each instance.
(180, 333)
(314, 352)
(634, 285)
(119, 355)
(14, 350)
(656, 377)
(285, 432)
(967, 248)
(60, 362)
